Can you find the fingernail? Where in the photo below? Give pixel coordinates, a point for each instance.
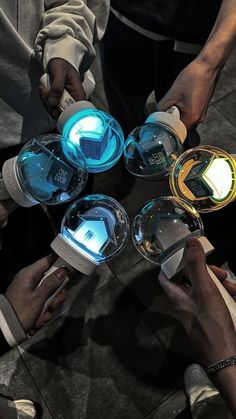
(62, 273)
(191, 242)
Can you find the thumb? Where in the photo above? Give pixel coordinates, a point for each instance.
(176, 292)
(43, 92)
(51, 283)
(195, 261)
(165, 103)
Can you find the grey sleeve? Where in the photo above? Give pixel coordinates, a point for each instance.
(10, 325)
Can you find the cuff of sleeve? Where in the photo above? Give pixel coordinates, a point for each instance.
(4, 194)
(10, 325)
(67, 48)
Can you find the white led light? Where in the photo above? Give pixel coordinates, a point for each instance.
(218, 176)
(90, 124)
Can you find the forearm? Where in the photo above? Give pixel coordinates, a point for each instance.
(222, 38)
(69, 31)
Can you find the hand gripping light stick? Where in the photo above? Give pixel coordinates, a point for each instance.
(94, 229)
(43, 172)
(98, 134)
(159, 232)
(151, 149)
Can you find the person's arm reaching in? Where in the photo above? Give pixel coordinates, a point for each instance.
(205, 316)
(193, 88)
(65, 45)
(22, 304)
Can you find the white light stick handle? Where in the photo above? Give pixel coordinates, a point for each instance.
(229, 301)
(66, 99)
(173, 110)
(176, 263)
(58, 264)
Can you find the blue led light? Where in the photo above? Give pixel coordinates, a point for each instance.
(97, 226)
(47, 173)
(99, 137)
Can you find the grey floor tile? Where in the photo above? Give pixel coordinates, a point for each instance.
(226, 81)
(125, 260)
(217, 130)
(81, 286)
(227, 106)
(142, 279)
(173, 408)
(101, 360)
(16, 382)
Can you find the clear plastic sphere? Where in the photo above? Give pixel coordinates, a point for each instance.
(150, 151)
(97, 226)
(47, 173)
(161, 227)
(99, 136)
(204, 176)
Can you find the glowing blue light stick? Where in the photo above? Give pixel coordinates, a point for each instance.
(97, 133)
(94, 230)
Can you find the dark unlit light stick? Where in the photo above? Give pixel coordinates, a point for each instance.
(175, 263)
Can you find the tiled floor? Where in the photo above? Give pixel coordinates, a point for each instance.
(115, 349)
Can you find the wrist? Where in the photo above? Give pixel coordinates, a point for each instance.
(210, 62)
(215, 52)
(221, 365)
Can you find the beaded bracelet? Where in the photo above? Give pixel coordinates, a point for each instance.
(223, 363)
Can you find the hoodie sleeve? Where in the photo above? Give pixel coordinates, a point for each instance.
(69, 31)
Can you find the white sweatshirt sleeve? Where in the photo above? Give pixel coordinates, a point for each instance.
(69, 30)
(10, 325)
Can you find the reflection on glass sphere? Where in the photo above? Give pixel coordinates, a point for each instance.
(47, 173)
(205, 176)
(96, 226)
(162, 225)
(99, 137)
(150, 151)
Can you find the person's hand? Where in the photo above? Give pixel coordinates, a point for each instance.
(200, 306)
(28, 300)
(6, 208)
(62, 76)
(191, 93)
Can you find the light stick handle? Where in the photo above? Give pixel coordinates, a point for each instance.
(66, 99)
(229, 301)
(176, 263)
(58, 264)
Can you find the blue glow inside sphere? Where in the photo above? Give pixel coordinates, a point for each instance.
(150, 151)
(97, 226)
(47, 173)
(161, 227)
(99, 136)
